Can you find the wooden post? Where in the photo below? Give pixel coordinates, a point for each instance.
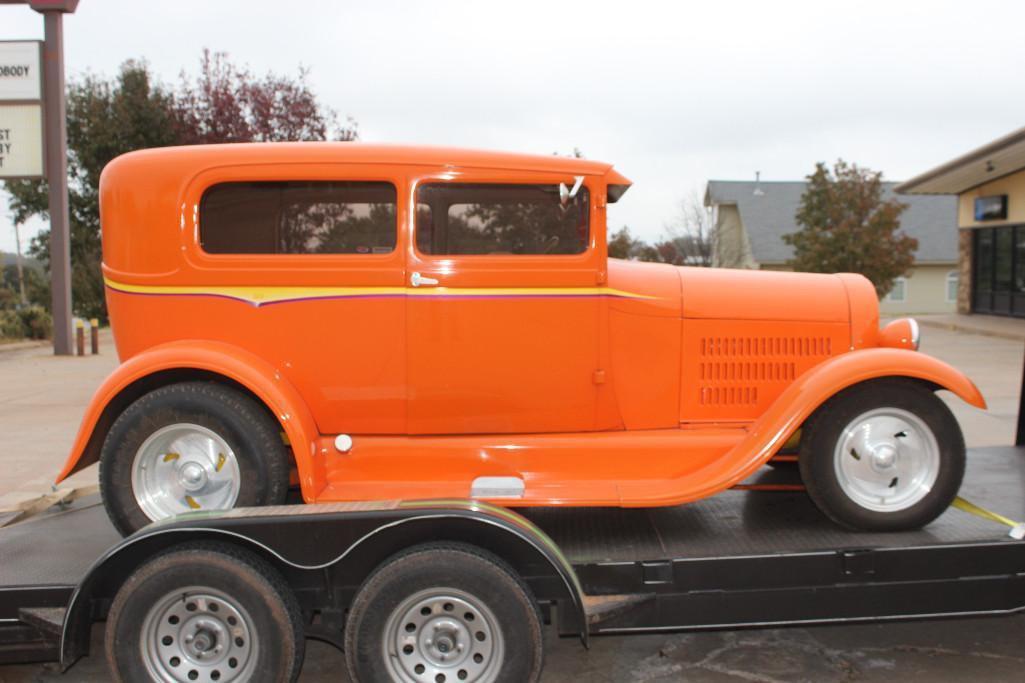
(94, 335)
(80, 336)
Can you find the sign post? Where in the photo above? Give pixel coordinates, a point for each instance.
(25, 152)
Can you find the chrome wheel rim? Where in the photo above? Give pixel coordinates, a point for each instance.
(887, 460)
(443, 635)
(184, 467)
(199, 634)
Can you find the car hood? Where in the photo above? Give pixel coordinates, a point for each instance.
(727, 294)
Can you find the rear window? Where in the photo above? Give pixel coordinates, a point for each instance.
(454, 218)
(298, 217)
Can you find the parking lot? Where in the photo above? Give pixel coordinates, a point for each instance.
(42, 398)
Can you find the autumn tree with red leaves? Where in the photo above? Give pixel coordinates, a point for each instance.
(109, 117)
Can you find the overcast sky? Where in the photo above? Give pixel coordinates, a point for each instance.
(673, 93)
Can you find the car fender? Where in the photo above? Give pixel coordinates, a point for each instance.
(213, 358)
(775, 426)
(351, 541)
(784, 417)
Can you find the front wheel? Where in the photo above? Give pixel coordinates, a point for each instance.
(886, 455)
(444, 613)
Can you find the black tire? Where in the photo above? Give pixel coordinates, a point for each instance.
(447, 566)
(827, 426)
(248, 580)
(253, 435)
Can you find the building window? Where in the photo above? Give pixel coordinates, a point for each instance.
(952, 280)
(899, 292)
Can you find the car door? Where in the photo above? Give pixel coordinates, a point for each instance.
(307, 264)
(502, 304)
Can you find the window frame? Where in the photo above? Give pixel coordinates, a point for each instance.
(903, 281)
(291, 269)
(591, 183)
(303, 254)
(952, 277)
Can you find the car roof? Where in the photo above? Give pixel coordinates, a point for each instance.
(363, 152)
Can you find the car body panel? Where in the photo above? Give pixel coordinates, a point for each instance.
(595, 381)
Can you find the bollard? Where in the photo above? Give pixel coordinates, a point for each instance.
(80, 337)
(94, 334)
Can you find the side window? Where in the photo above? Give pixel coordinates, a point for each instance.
(298, 217)
(455, 219)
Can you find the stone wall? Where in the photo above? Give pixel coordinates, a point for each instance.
(964, 281)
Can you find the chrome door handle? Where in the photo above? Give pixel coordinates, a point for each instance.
(418, 280)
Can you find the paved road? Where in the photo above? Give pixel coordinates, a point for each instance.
(42, 398)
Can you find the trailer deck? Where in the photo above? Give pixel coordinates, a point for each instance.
(741, 558)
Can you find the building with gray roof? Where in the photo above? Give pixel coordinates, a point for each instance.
(751, 218)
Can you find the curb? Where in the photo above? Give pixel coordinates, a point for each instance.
(971, 329)
(22, 345)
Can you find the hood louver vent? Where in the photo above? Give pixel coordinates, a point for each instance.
(732, 369)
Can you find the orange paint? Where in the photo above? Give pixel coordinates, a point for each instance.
(596, 381)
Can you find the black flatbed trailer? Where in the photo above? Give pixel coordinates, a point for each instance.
(742, 558)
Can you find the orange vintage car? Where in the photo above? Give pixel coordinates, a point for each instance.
(375, 322)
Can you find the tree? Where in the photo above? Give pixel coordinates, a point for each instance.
(847, 226)
(624, 245)
(109, 117)
(691, 238)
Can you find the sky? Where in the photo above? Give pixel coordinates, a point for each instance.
(672, 93)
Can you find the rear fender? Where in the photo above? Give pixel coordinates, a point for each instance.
(211, 358)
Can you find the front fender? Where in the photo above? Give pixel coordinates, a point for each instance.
(786, 415)
(216, 358)
(815, 387)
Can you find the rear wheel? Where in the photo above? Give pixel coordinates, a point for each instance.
(208, 613)
(886, 455)
(191, 446)
(444, 614)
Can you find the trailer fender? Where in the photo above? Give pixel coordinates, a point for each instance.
(785, 416)
(337, 543)
(183, 360)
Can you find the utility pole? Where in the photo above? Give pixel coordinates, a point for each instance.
(56, 134)
(55, 146)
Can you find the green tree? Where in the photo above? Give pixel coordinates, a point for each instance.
(847, 226)
(622, 244)
(109, 117)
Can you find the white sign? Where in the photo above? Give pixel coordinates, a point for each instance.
(20, 75)
(21, 140)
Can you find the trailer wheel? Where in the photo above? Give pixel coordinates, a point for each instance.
(190, 446)
(207, 613)
(886, 455)
(444, 614)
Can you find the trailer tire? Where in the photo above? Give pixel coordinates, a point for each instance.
(232, 599)
(255, 470)
(885, 455)
(444, 599)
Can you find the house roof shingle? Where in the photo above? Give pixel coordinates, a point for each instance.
(769, 214)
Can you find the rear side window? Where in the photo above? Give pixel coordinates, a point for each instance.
(298, 217)
(456, 219)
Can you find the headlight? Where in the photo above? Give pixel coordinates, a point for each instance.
(901, 334)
